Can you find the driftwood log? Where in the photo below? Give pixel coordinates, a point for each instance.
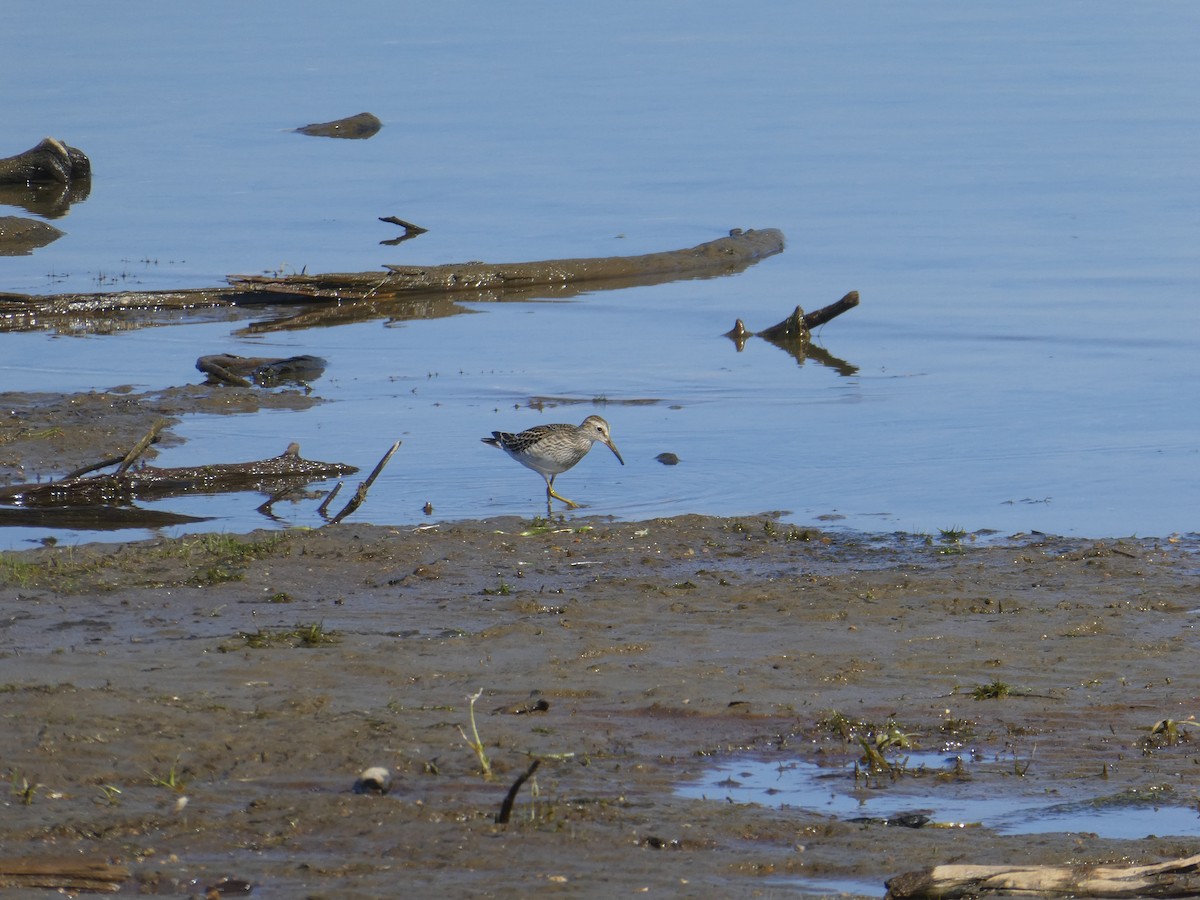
(65, 874)
(405, 291)
(794, 334)
(153, 483)
(797, 327)
(1177, 878)
(720, 257)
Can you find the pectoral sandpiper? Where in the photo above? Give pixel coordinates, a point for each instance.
(552, 449)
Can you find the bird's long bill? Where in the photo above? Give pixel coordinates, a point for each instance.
(616, 452)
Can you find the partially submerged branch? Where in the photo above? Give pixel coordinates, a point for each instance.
(794, 334)
(153, 483)
(364, 294)
(361, 494)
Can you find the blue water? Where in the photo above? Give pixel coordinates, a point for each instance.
(1037, 808)
(1012, 188)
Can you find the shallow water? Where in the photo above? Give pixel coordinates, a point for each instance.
(974, 800)
(1010, 188)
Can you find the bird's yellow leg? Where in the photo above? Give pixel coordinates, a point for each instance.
(551, 492)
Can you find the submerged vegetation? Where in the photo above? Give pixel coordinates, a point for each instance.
(311, 635)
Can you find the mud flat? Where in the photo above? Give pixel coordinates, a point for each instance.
(199, 709)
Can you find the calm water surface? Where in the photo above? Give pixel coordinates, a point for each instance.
(1013, 190)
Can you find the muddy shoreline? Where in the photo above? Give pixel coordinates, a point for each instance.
(257, 675)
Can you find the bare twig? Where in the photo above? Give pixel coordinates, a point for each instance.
(140, 447)
(323, 508)
(361, 494)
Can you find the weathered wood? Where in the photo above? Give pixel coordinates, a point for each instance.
(719, 257)
(478, 281)
(360, 495)
(63, 874)
(833, 310)
(1176, 878)
(152, 483)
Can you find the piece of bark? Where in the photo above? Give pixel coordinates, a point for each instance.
(1176, 878)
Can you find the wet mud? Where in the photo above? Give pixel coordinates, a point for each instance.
(200, 709)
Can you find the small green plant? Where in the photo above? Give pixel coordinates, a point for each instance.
(14, 570)
(501, 590)
(311, 635)
(173, 779)
(1167, 733)
(24, 789)
(109, 794)
(474, 742)
(996, 690)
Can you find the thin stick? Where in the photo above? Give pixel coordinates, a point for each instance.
(833, 310)
(103, 464)
(361, 494)
(140, 447)
(329, 498)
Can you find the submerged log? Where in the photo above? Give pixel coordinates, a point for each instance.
(1176, 878)
(153, 483)
(794, 334)
(719, 257)
(363, 294)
